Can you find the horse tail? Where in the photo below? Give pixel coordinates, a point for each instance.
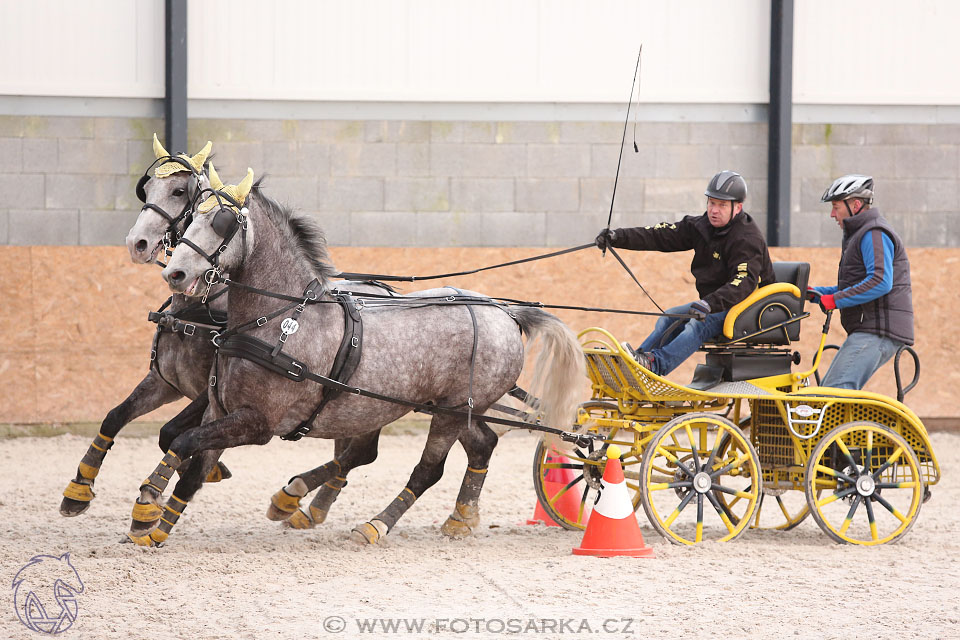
(559, 368)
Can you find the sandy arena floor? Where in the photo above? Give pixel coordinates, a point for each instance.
(228, 572)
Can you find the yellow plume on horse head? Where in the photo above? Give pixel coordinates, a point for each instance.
(238, 192)
(167, 169)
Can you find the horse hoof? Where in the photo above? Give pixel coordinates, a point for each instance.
(299, 520)
(70, 508)
(282, 506)
(141, 541)
(218, 473)
(368, 533)
(456, 529)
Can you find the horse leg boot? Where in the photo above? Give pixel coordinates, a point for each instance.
(190, 417)
(191, 480)
(244, 426)
(479, 442)
(147, 396)
(348, 453)
(444, 431)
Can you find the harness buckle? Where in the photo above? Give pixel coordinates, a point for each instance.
(451, 298)
(299, 371)
(189, 329)
(262, 320)
(359, 304)
(354, 341)
(215, 338)
(153, 355)
(213, 381)
(470, 402)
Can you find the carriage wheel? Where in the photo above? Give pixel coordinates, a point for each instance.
(870, 481)
(691, 460)
(570, 501)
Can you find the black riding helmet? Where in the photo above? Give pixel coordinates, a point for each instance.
(727, 185)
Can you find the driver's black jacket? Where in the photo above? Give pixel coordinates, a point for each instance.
(729, 262)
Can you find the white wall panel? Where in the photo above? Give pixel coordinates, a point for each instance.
(870, 52)
(96, 48)
(491, 51)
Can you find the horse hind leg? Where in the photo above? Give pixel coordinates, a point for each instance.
(348, 454)
(147, 396)
(444, 431)
(479, 442)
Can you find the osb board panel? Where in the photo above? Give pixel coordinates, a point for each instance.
(74, 340)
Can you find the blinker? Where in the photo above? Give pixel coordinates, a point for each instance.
(224, 222)
(141, 187)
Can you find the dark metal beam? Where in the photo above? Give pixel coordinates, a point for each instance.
(175, 76)
(780, 122)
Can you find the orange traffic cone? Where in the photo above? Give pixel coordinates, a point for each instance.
(553, 482)
(612, 529)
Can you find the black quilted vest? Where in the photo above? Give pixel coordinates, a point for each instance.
(890, 315)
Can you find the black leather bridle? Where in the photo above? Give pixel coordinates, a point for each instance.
(174, 232)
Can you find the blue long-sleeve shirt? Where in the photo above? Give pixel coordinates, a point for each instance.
(878, 282)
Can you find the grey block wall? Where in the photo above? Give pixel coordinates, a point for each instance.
(69, 181)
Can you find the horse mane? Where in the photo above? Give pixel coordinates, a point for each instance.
(304, 233)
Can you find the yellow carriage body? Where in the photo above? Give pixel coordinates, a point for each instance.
(788, 421)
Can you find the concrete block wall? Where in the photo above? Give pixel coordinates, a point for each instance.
(70, 180)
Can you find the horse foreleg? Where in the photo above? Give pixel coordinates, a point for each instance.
(190, 417)
(348, 454)
(444, 431)
(479, 442)
(244, 426)
(152, 392)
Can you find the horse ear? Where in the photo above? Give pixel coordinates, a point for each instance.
(158, 149)
(245, 185)
(198, 160)
(215, 181)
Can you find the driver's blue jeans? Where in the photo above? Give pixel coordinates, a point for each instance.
(692, 335)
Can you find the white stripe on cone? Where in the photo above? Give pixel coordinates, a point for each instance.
(614, 501)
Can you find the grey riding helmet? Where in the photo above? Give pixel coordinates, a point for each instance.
(727, 185)
(850, 186)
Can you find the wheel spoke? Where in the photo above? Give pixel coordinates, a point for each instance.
(897, 485)
(563, 490)
(680, 507)
(720, 512)
(846, 452)
(833, 472)
(886, 465)
(735, 463)
(870, 518)
(721, 443)
(660, 486)
(693, 448)
(849, 518)
(783, 509)
(733, 492)
(699, 537)
(672, 458)
(889, 507)
(837, 495)
(583, 504)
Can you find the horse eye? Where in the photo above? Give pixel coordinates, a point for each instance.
(179, 192)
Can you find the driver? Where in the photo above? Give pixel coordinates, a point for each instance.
(730, 261)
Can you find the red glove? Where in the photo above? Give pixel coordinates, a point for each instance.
(827, 302)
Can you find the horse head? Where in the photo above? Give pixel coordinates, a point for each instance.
(168, 198)
(209, 246)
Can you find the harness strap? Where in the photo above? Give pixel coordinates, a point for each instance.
(344, 364)
(290, 325)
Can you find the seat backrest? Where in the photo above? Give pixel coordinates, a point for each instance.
(796, 273)
(772, 307)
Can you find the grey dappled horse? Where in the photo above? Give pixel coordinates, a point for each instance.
(420, 351)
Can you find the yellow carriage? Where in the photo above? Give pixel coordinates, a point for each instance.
(749, 443)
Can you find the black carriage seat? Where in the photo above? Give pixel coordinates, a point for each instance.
(744, 350)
